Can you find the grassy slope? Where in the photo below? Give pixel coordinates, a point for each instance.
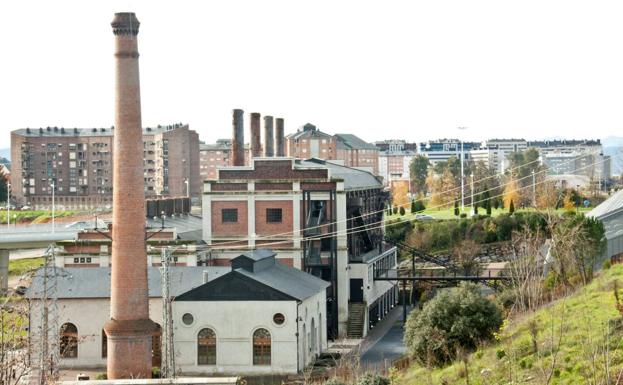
(589, 322)
(20, 266)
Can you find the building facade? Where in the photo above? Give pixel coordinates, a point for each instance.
(309, 142)
(394, 159)
(78, 163)
(216, 155)
(357, 153)
(256, 316)
(317, 216)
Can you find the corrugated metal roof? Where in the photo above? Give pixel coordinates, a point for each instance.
(354, 179)
(84, 282)
(610, 206)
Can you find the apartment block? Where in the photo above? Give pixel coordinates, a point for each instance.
(77, 163)
(394, 159)
(219, 154)
(356, 152)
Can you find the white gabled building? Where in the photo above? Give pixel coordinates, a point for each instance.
(258, 316)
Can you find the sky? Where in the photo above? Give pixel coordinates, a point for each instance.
(413, 70)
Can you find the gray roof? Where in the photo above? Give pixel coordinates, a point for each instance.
(308, 131)
(95, 131)
(288, 280)
(259, 254)
(354, 179)
(82, 282)
(609, 207)
(350, 141)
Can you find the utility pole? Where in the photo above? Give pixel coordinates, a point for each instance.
(8, 205)
(462, 175)
(534, 188)
(168, 357)
(472, 190)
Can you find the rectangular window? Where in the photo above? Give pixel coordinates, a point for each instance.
(273, 215)
(229, 215)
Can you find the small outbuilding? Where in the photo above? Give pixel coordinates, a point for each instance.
(261, 317)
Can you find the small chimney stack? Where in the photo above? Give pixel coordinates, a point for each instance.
(256, 141)
(237, 143)
(269, 140)
(280, 145)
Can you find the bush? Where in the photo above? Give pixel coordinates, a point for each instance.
(402, 211)
(463, 215)
(155, 372)
(101, 376)
(373, 379)
(455, 318)
(606, 265)
(395, 210)
(511, 207)
(419, 206)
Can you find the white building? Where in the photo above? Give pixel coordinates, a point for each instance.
(258, 316)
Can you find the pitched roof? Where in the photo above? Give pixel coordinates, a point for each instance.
(259, 278)
(609, 207)
(350, 141)
(308, 131)
(81, 282)
(354, 178)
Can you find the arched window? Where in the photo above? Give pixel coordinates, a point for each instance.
(206, 347)
(104, 344)
(69, 341)
(261, 347)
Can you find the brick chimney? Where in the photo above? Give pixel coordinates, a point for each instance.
(280, 141)
(129, 329)
(269, 151)
(256, 141)
(237, 142)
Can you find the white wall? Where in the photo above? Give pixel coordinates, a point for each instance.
(234, 323)
(89, 316)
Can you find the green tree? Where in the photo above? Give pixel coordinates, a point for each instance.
(456, 208)
(488, 207)
(402, 211)
(458, 318)
(418, 171)
(413, 208)
(511, 207)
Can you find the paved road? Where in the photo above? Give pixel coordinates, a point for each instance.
(384, 343)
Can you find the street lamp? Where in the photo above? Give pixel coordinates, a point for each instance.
(462, 173)
(162, 216)
(8, 205)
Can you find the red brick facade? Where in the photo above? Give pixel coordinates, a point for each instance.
(238, 228)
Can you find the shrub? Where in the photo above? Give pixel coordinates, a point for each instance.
(419, 206)
(456, 208)
(373, 379)
(500, 353)
(511, 207)
(463, 215)
(402, 211)
(606, 265)
(455, 318)
(413, 206)
(395, 210)
(101, 376)
(155, 372)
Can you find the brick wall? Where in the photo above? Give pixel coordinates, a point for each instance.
(238, 228)
(262, 227)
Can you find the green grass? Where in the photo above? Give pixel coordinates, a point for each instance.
(18, 267)
(40, 216)
(576, 336)
(448, 213)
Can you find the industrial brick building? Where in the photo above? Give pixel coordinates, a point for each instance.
(356, 152)
(78, 162)
(394, 159)
(318, 216)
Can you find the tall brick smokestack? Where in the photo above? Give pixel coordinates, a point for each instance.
(237, 142)
(256, 141)
(280, 141)
(269, 141)
(129, 329)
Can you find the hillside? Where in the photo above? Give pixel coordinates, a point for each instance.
(579, 340)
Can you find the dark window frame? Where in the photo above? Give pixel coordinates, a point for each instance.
(206, 347)
(274, 215)
(229, 215)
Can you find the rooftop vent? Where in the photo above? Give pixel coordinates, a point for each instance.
(62, 130)
(40, 130)
(27, 130)
(102, 129)
(94, 130)
(48, 128)
(75, 130)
